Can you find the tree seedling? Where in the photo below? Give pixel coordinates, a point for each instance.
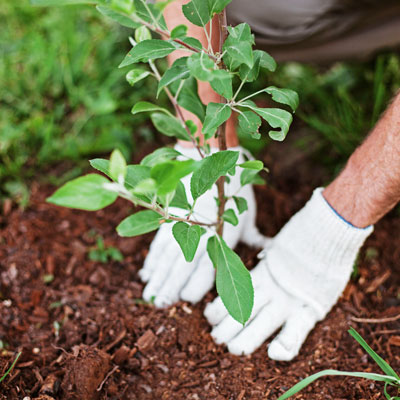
(390, 378)
(101, 253)
(155, 184)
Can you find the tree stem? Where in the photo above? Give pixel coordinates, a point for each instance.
(221, 131)
(177, 108)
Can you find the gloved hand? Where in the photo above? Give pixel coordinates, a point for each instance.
(168, 275)
(300, 278)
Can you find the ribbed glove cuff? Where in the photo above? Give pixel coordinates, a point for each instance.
(314, 253)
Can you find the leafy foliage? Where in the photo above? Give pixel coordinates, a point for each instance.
(156, 183)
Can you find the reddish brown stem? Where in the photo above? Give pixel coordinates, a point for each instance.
(179, 41)
(221, 131)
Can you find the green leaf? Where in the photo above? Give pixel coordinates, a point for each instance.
(160, 5)
(142, 33)
(124, 6)
(176, 72)
(249, 122)
(134, 173)
(159, 156)
(230, 217)
(383, 365)
(188, 238)
(192, 126)
(203, 69)
(180, 200)
(101, 165)
(144, 106)
(146, 189)
(261, 60)
(116, 16)
(216, 115)
(191, 41)
(150, 13)
(238, 47)
(169, 126)
(253, 164)
(139, 223)
(189, 99)
(241, 204)
(210, 169)
(60, 2)
(276, 117)
(251, 176)
(284, 96)
(168, 174)
(179, 31)
(197, 12)
(136, 75)
(201, 66)
(217, 6)
(239, 53)
(148, 50)
(240, 33)
(84, 193)
(221, 82)
(117, 165)
(233, 280)
(331, 372)
(266, 61)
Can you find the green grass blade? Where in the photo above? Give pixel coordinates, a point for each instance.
(384, 366)
(387, 395)
(12, 366)
(331, 372)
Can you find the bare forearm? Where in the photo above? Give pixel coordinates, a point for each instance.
(369, 185)
(173, 17)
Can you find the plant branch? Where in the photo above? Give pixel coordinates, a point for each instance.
(249, 96)
(167, 35)
(124, 193)
(221, 132)
(177, 108)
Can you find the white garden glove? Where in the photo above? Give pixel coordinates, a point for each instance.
(300, 278)
(168, 275)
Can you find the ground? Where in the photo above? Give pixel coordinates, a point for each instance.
(85, 333)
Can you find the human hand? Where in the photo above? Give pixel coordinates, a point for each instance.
(168, 275)
(300, 278)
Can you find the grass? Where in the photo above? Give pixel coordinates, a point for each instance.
(390, 377)
(11, 368)
(62, 96)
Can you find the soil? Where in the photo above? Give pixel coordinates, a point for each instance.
(85, 333)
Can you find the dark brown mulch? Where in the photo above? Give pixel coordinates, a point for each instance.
(86, 334)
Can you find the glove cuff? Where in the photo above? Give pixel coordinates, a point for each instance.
(333, 238)
(192, 152)
(325, 247)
